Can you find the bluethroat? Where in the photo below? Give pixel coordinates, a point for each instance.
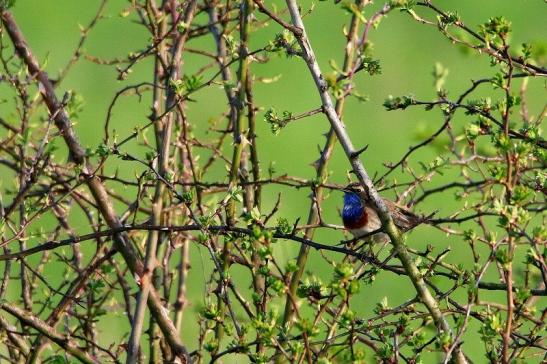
(360, 217)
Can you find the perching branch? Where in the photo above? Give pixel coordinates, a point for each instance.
(387, 222)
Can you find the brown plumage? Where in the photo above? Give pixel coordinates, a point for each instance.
(403, 218)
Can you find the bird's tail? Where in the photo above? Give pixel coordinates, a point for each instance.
(407, 220)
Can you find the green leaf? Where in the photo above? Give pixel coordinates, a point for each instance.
(439, 74)
(6, 4)
(352, 8)
(394, 103)
(283, 226)
(276, 121)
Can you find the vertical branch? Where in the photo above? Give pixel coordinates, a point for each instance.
(158, 97)
(255, 162)
(231, 96)
(160, 129)
(189, 174)
(253, 192)
(163, 130)
(23, 179)
(240, 141)
(184, 264)
(510, 180)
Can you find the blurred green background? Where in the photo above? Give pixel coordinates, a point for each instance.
(407, 51)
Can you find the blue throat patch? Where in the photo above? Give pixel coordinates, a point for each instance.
(353, 208)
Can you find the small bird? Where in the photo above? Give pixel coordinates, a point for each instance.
(360, 217)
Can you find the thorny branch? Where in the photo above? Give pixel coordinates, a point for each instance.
(175, 213)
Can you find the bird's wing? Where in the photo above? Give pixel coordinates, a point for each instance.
(403, 217)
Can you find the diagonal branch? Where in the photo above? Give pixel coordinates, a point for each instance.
(321, 174)
(263, 9)
(387, 222)
(63, 341)
(95, 185)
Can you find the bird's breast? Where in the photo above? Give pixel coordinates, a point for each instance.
(355, 221)
(364, 222)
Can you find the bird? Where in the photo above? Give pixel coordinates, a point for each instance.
(361, 218)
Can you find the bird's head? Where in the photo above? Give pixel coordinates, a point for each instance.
(353, 213)
(354, 193)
